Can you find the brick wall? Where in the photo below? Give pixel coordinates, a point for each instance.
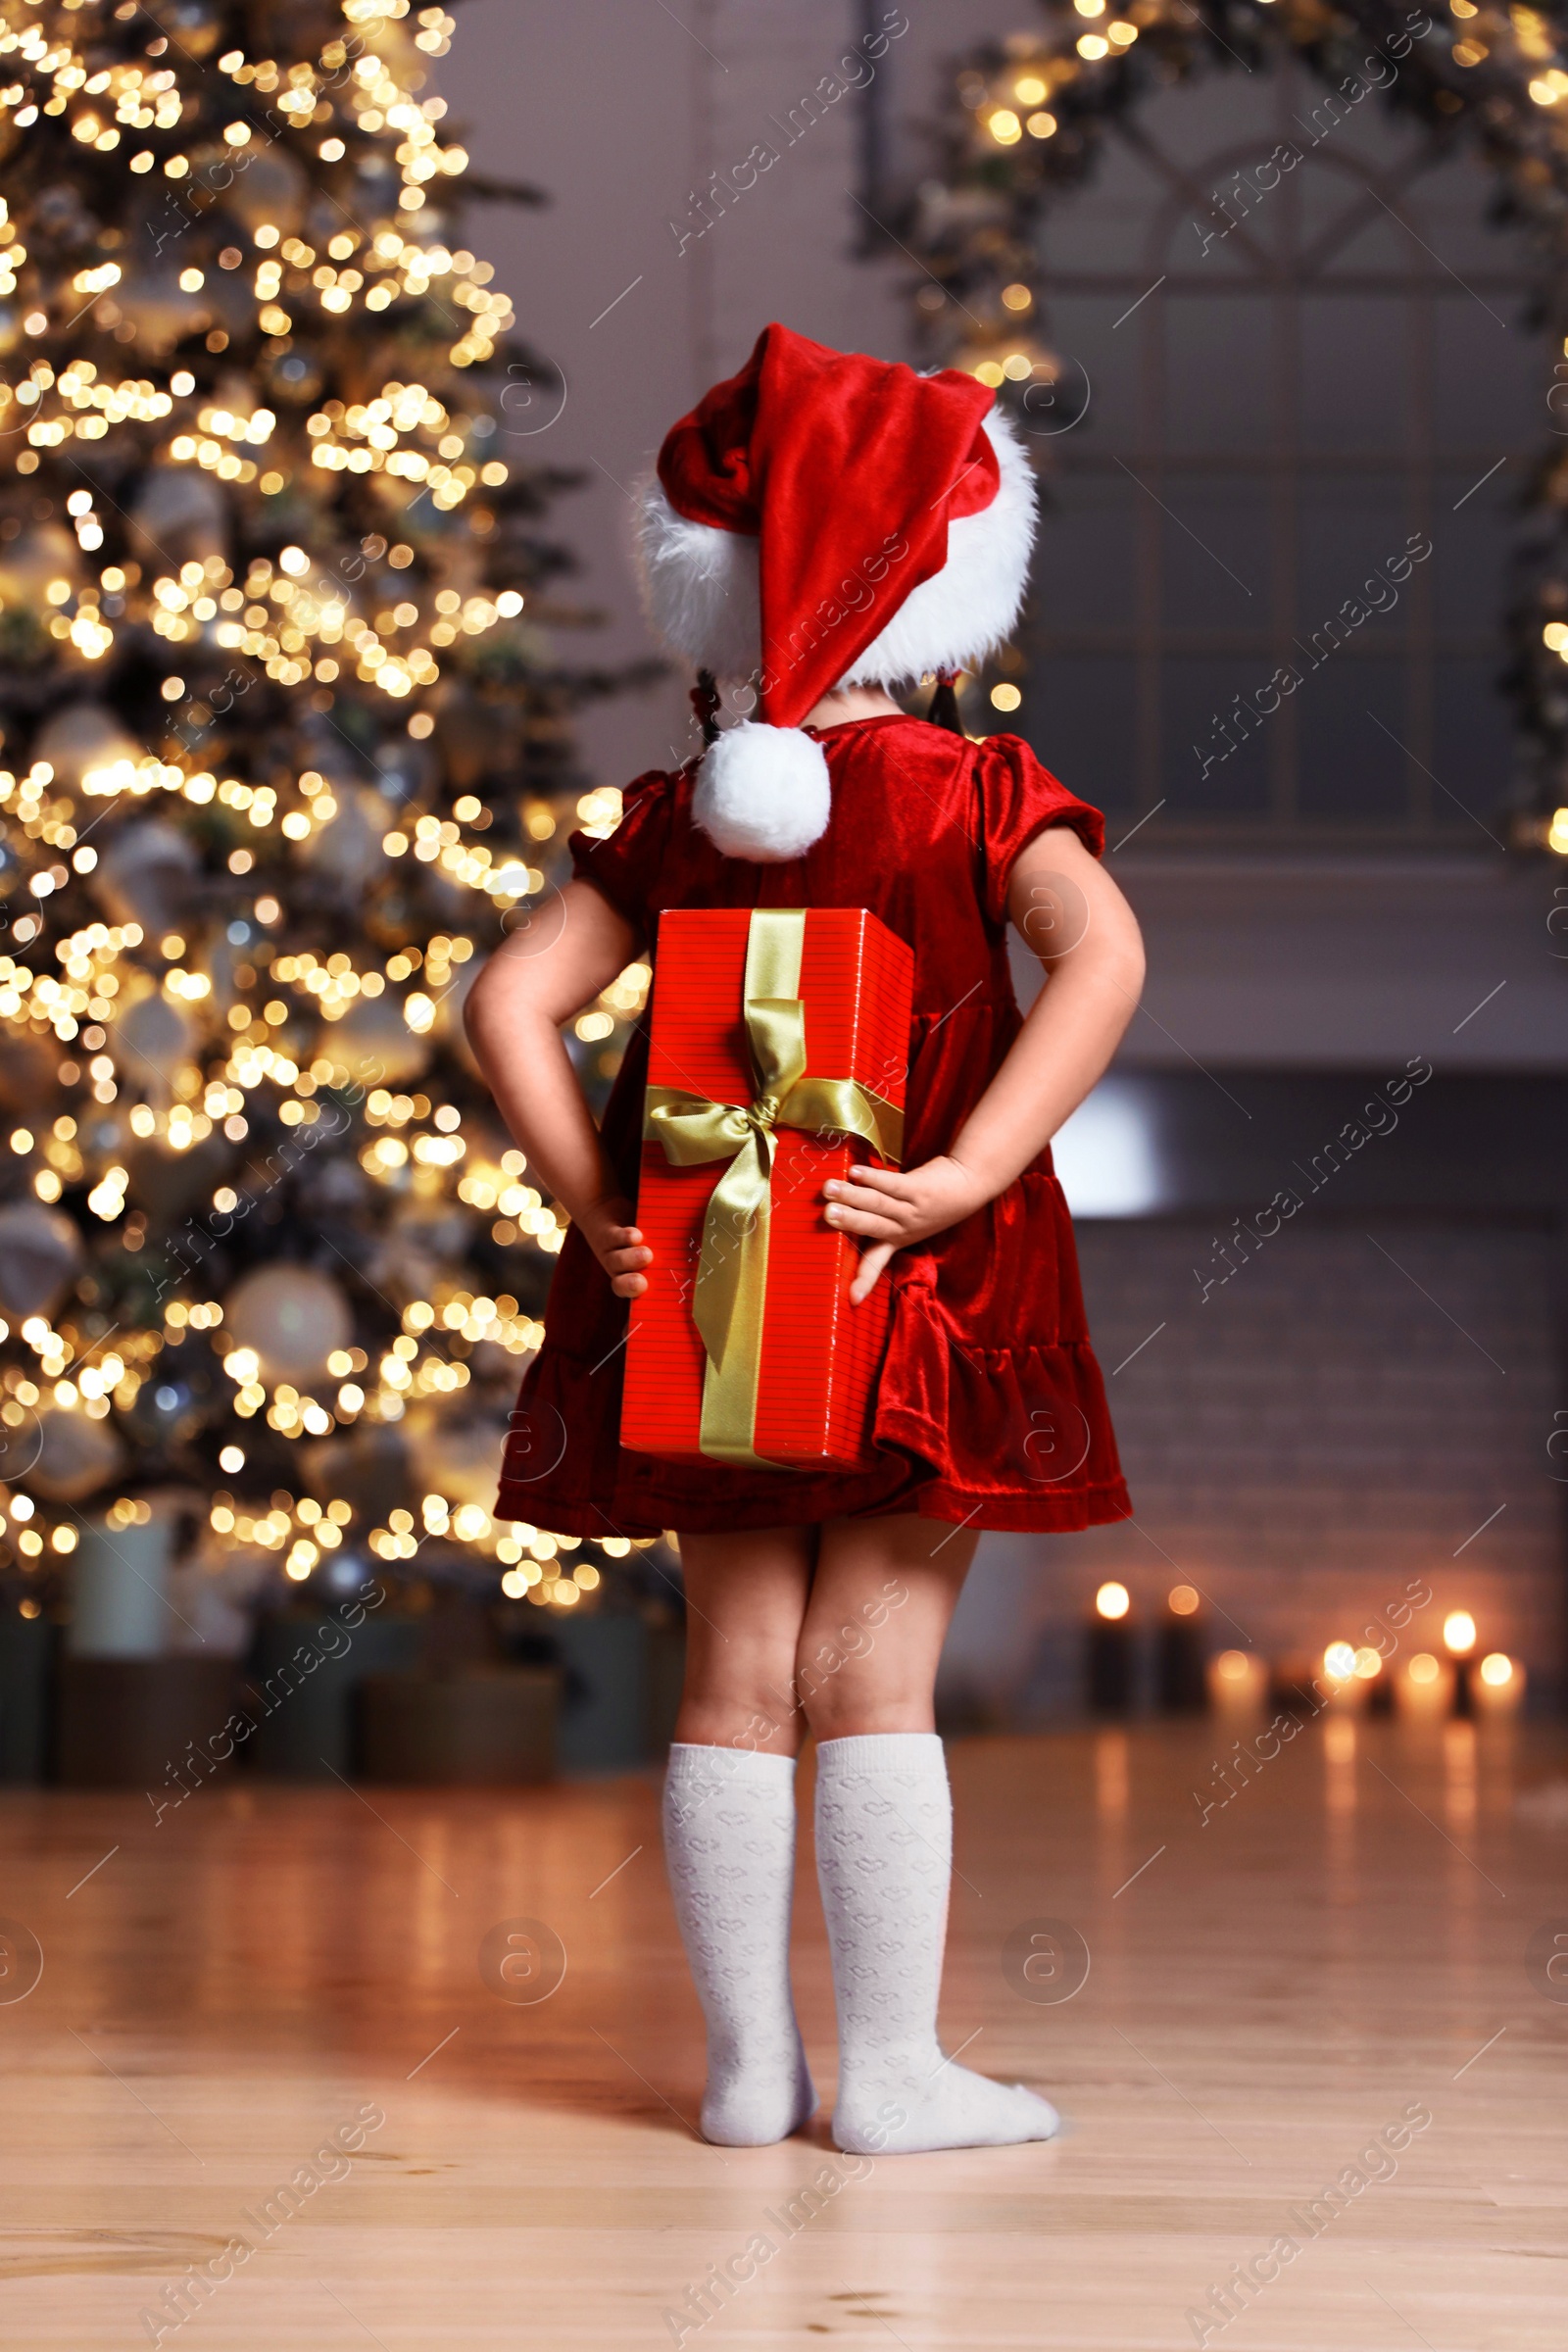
(1340, 1415)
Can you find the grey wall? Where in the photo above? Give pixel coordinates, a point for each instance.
(1343, 963)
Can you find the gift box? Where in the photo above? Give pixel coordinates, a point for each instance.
(777, 1053)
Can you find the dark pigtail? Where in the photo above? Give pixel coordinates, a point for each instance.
(943, 711)
(705, 702)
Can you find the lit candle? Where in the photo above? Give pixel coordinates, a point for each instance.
(1238, 1686)
(1459, 1640)
(1379, 1685)
(1498, 1685)
(1108, 1650)
(1346, 1695)
(1183, 1689)
(1423, 1692)
(1351, 1675)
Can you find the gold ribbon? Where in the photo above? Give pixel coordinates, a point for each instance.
(732, 1266)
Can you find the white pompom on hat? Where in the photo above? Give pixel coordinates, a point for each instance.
(819, 519)
(762, 792)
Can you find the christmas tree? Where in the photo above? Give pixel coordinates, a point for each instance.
(286, 751)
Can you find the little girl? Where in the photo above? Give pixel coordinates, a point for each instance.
(821, 528)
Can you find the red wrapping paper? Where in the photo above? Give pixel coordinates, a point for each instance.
(819, 1356)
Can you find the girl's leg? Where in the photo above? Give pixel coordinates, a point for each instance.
(746, 1596)
(881, 1601)
(880, 1605)
(729, 1825)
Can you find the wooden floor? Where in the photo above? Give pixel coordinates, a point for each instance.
(1342, 1943)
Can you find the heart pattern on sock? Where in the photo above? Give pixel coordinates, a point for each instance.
(884, 1858)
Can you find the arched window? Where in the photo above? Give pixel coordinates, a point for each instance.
(1305, 365)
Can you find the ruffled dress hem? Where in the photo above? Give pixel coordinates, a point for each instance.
(940, 1407)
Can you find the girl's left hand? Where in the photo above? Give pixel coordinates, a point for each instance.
(896, 1208)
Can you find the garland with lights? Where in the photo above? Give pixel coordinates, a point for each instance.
(1027, 123)
(285, 753)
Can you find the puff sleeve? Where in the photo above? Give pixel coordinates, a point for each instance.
(625, 864)
(1019, 798)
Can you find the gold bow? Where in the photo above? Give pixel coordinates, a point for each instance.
(732, 1267)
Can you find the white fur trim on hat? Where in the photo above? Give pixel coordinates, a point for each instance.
(699, 587)
(762, 793)
(966, 609)
(701, 596)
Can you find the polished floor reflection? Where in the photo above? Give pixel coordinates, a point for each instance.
(309, 2069)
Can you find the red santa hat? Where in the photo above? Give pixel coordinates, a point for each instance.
(827, 519)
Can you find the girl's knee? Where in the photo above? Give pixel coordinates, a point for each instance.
(743, 1700)
(860, 1696)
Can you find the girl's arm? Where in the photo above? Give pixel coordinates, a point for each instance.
(534, 984)
(1071, 913)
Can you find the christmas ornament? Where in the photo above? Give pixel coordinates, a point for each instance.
(89, 748)
(375, 1044)
(76, 1456)
(271, 192)
(370, 1466)
(178, 518)
(169, 1182)
(293, 1317)
(161, 312)
(195, 25)
(30, 561)
(145, 872)
(156, 1039)
(349, 849)
(169, 1404)
(40, 1253)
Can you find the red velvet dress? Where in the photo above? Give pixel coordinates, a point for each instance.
(991, 1411)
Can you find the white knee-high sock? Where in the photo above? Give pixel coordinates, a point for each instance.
(884, 1856)
(729, 1844)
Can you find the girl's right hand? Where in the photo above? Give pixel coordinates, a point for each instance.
(618, 1245)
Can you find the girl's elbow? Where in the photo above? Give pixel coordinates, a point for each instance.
(492, 1006)
(475, 1007)
(511, 999)
(1128, 951)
